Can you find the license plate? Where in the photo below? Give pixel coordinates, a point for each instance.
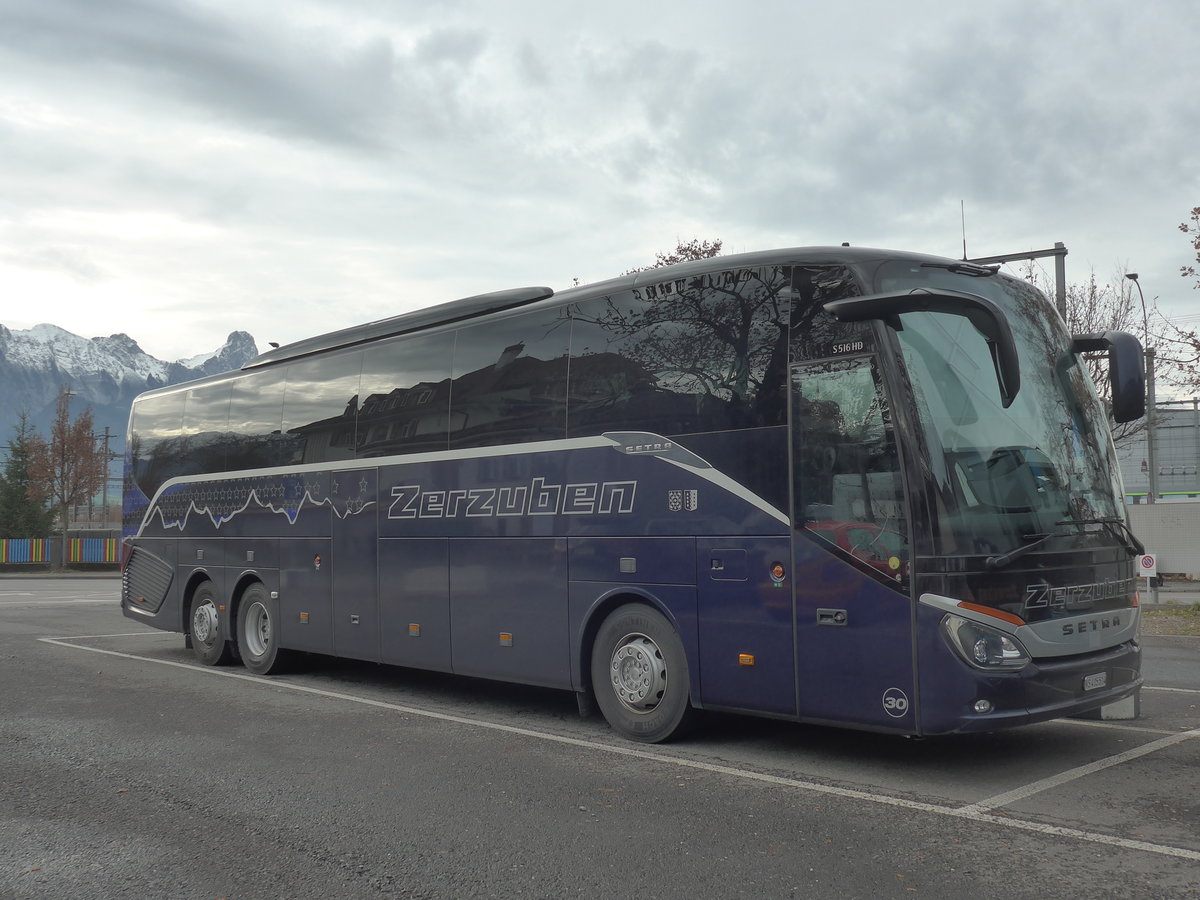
(1092, 682)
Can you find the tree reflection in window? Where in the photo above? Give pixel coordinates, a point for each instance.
(698, 354)
(846, 468)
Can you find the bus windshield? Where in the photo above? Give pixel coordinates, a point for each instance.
(1005, 478)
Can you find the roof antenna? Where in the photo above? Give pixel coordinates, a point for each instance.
(962, 211)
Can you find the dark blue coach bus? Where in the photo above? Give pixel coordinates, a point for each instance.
(837, 485)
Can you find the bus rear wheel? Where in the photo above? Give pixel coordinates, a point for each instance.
(640, 676)
(209, 641)
(258, 634)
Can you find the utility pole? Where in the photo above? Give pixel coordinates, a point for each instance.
(104, 492)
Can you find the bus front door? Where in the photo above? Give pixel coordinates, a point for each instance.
(854, 644)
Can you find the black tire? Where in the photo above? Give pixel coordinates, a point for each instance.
(640, 675)
(206, 631)
(258, 633)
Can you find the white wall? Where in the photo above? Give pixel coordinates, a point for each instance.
(1172, 531)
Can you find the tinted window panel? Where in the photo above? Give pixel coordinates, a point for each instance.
(702, 354)
(510, 381)
(404, 396)
(205, 429)
(320, 405)
(255, 422)
(847, 482)
(815, 333)
(154, 440)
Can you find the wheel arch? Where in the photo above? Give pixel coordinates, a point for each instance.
(243, 583)
(599, 610)
(194, 580)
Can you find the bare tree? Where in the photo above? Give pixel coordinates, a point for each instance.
(685, 251)
(1192, 229)
(70, 468)
(1095, 306)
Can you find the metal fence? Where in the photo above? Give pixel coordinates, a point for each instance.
(1176, 454)
(81, 551)
(15, 551)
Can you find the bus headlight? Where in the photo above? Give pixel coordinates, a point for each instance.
(982, 646)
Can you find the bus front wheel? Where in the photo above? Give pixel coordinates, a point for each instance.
(208, 639)
(258, 633)
(639, 675)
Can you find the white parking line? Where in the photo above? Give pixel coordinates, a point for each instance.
(1117, 725)
(975, 812)
(88, 637)
(1078, 772)
(55, 601)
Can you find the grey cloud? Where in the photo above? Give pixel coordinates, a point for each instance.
(458, 46)
(284, 81)
(532, 69)
(74, 262)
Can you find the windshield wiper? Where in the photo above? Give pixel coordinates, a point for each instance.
(999, 562)
(1119, 529)
(964, 268)
(1114, 525)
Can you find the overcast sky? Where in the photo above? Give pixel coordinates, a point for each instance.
(178, 169)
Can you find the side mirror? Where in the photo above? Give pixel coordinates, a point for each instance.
(1126, 370)
(988, 319)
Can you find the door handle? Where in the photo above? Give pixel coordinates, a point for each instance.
(831, 617)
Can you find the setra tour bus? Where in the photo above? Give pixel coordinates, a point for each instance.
(835, 485)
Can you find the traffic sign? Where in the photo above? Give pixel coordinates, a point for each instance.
(1148, 565)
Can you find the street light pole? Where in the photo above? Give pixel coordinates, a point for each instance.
(1151, 462)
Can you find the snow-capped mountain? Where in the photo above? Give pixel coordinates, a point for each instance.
(103, 372)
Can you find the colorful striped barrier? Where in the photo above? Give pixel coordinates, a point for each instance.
(93, 550)
(25, 550)
(44, 551)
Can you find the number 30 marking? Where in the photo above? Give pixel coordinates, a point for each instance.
(895, 703)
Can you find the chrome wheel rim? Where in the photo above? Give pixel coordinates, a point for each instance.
(257, 632)
(204, 623)
(638, 673)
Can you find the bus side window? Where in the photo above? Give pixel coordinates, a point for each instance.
(256, 422)
(510, 381)
(404, 396)
(205, 429)
(846, 468)
(154, 440)
(320, 403)
(683, 357)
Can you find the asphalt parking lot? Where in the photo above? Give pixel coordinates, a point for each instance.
(1067, 808)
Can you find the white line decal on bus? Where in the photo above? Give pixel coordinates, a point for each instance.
(219, 507)
(291, 511)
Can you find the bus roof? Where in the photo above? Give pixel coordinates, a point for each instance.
(500, 301)
(417, 320)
